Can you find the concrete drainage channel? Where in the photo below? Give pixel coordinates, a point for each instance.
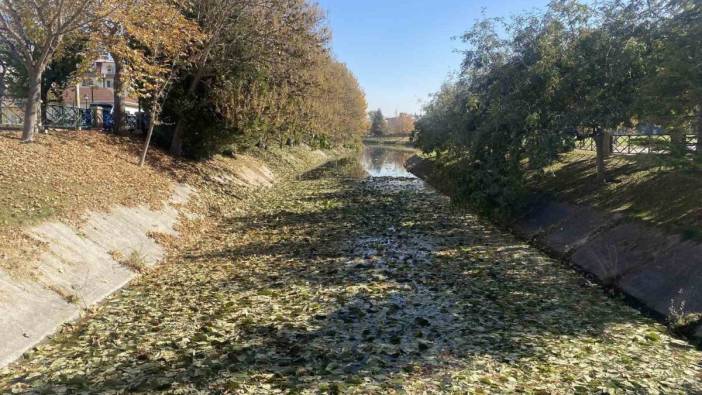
(80, 267)
(660, 272)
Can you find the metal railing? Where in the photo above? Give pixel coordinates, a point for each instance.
(58, 116)
(11, 114)
(66, 117)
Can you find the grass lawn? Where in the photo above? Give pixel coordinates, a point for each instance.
(646, 187)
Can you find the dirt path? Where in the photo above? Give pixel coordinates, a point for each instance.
(333, 283)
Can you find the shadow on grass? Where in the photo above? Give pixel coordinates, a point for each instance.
(647, 187)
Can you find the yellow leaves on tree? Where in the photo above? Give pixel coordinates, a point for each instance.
(156, 40)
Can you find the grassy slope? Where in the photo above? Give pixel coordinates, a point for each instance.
(646, 187)
(64, 174)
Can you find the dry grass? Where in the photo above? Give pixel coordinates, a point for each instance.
(61, 176)
(66, 173)
(66, 295)
(135, 261)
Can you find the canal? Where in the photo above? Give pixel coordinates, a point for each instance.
(386, 161)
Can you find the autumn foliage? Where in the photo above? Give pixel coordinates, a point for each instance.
(211, 74)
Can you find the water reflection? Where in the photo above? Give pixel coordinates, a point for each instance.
(384, 161)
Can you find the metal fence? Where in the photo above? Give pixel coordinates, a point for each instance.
(58, 116)
(632, 144)
(11, 114)
(66, 117)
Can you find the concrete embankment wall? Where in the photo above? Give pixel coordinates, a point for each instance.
(80, 265)
(662, 272)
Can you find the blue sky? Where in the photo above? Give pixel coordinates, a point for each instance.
(401, 50)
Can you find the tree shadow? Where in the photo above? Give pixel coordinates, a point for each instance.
(387, 283)
(649, 187)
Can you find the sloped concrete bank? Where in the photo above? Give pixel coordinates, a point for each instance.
(82, 265)
(659, 271)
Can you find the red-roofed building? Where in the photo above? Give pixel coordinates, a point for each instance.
(96, 88)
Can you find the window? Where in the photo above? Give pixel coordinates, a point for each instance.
(108, 84)
(87, 82)
(109, 69)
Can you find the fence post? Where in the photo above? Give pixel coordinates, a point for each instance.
(97, 118)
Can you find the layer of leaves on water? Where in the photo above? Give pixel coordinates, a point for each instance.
(331, 283)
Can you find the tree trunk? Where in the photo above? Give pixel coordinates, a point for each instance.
(2, 89)
(118, 108)
(600, 136)
(177, 140)
(698, 147)
(152, 122)
(44, 103)
(677, 142)
(608, 145)
(31, 108)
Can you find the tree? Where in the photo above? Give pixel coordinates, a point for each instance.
(157, 37)
(402, 124)
(520, 97)
(220, 20)
(34, 30)
(271, 78)
(379, 126)
(405, 123)
(608, 68)
(672, 95)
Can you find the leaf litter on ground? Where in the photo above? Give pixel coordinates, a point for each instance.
(331, 283)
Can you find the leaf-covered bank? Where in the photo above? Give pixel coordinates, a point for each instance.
(336, 283)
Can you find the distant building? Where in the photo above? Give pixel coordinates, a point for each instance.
(96, 88)
(101, 74)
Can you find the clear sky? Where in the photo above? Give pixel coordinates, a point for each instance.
(401, 50)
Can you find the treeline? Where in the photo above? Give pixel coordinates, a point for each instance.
(210, 73)
(529, 87)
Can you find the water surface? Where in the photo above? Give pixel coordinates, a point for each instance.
(386, 161)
